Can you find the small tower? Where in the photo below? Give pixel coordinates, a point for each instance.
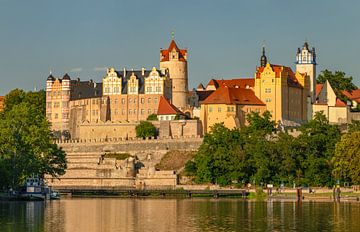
(263, 59)
(306, 63)
(175, 61)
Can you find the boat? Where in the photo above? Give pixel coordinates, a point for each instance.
(35, 188)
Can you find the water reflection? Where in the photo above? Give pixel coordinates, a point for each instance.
(114, 214)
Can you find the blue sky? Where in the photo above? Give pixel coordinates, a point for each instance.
(223, 38)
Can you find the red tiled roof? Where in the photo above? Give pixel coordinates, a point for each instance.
(165, 52)
(230, 95)
(354, 95)
(339, 103)
(318, 88)
(240, 83)
(166, 108)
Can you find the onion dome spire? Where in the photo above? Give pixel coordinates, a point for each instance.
(263, 59)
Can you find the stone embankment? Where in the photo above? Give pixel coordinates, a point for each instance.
(88, 167)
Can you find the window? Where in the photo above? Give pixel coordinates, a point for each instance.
(155, 100)
(130, 100)
(135, 100)
(65, 104)
(228, 109)
(134, 111)
(116, 101)
(148, 89)
(48, 105)
(158, 89)
(116, 111)
(130, 111)
(232, 109)
(142, 111)
(123, 101)
(56, 116)
(149, 111)
(123, 111)
(268, 99)
(210, 109)
(48, 116)
(268, 90)
(149, 100)
(219, 109)
(142, 100)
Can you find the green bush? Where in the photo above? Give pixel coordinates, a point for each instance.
(145, 129)
(152, 117)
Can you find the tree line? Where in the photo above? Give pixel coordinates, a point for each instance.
(319, 156)
(26, 142)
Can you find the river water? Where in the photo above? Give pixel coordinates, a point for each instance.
(129, 214)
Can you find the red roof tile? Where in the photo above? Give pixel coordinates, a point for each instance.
(318, 88)
(339, 103)
(230, 95)
(353, 95)
(165, 52)
(166, 108)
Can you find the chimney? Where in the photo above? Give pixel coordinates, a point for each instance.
(143, 71)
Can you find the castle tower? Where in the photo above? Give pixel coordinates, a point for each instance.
(174, 60)
(306, 63)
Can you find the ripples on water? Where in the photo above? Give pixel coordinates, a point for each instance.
(118, 214)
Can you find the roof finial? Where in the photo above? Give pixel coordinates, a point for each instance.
(172, 34)
(50, 71)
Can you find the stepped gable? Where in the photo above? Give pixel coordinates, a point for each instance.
(166, 108)
(165, 52)
(279, 69)
(139, 75)
(231, 95)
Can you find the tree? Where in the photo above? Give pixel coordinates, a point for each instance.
(347, 158)
(220, 158)
(145, 129)
(354, 126)
(315, 148)
(260, 123)
(152, 117)
(338, 81)
(26, 143)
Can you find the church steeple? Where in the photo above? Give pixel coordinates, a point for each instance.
(263, 59)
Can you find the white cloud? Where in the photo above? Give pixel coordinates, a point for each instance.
(76, 70)
(100, 69)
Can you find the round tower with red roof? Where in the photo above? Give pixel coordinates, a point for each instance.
(174, 60)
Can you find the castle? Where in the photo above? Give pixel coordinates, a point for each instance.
(123, 96)
(113, 108)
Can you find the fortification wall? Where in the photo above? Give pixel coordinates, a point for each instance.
(105, 130)
(131, 144)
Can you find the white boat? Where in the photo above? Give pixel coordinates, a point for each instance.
(36, 189)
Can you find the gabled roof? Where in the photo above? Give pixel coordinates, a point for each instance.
(166, 108)
(318, 88)
(339, 103)
(239, 83)
(353, 95)
(230, 95)
(165, 52)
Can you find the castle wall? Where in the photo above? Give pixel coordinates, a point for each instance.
(122, 130)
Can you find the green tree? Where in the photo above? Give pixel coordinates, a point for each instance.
(145, 129)
(315, 148)
(152, 117)
(354, 126)
(26, 143)
(260, 123)
(220, 158)
(347, 158)
(338, 81)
